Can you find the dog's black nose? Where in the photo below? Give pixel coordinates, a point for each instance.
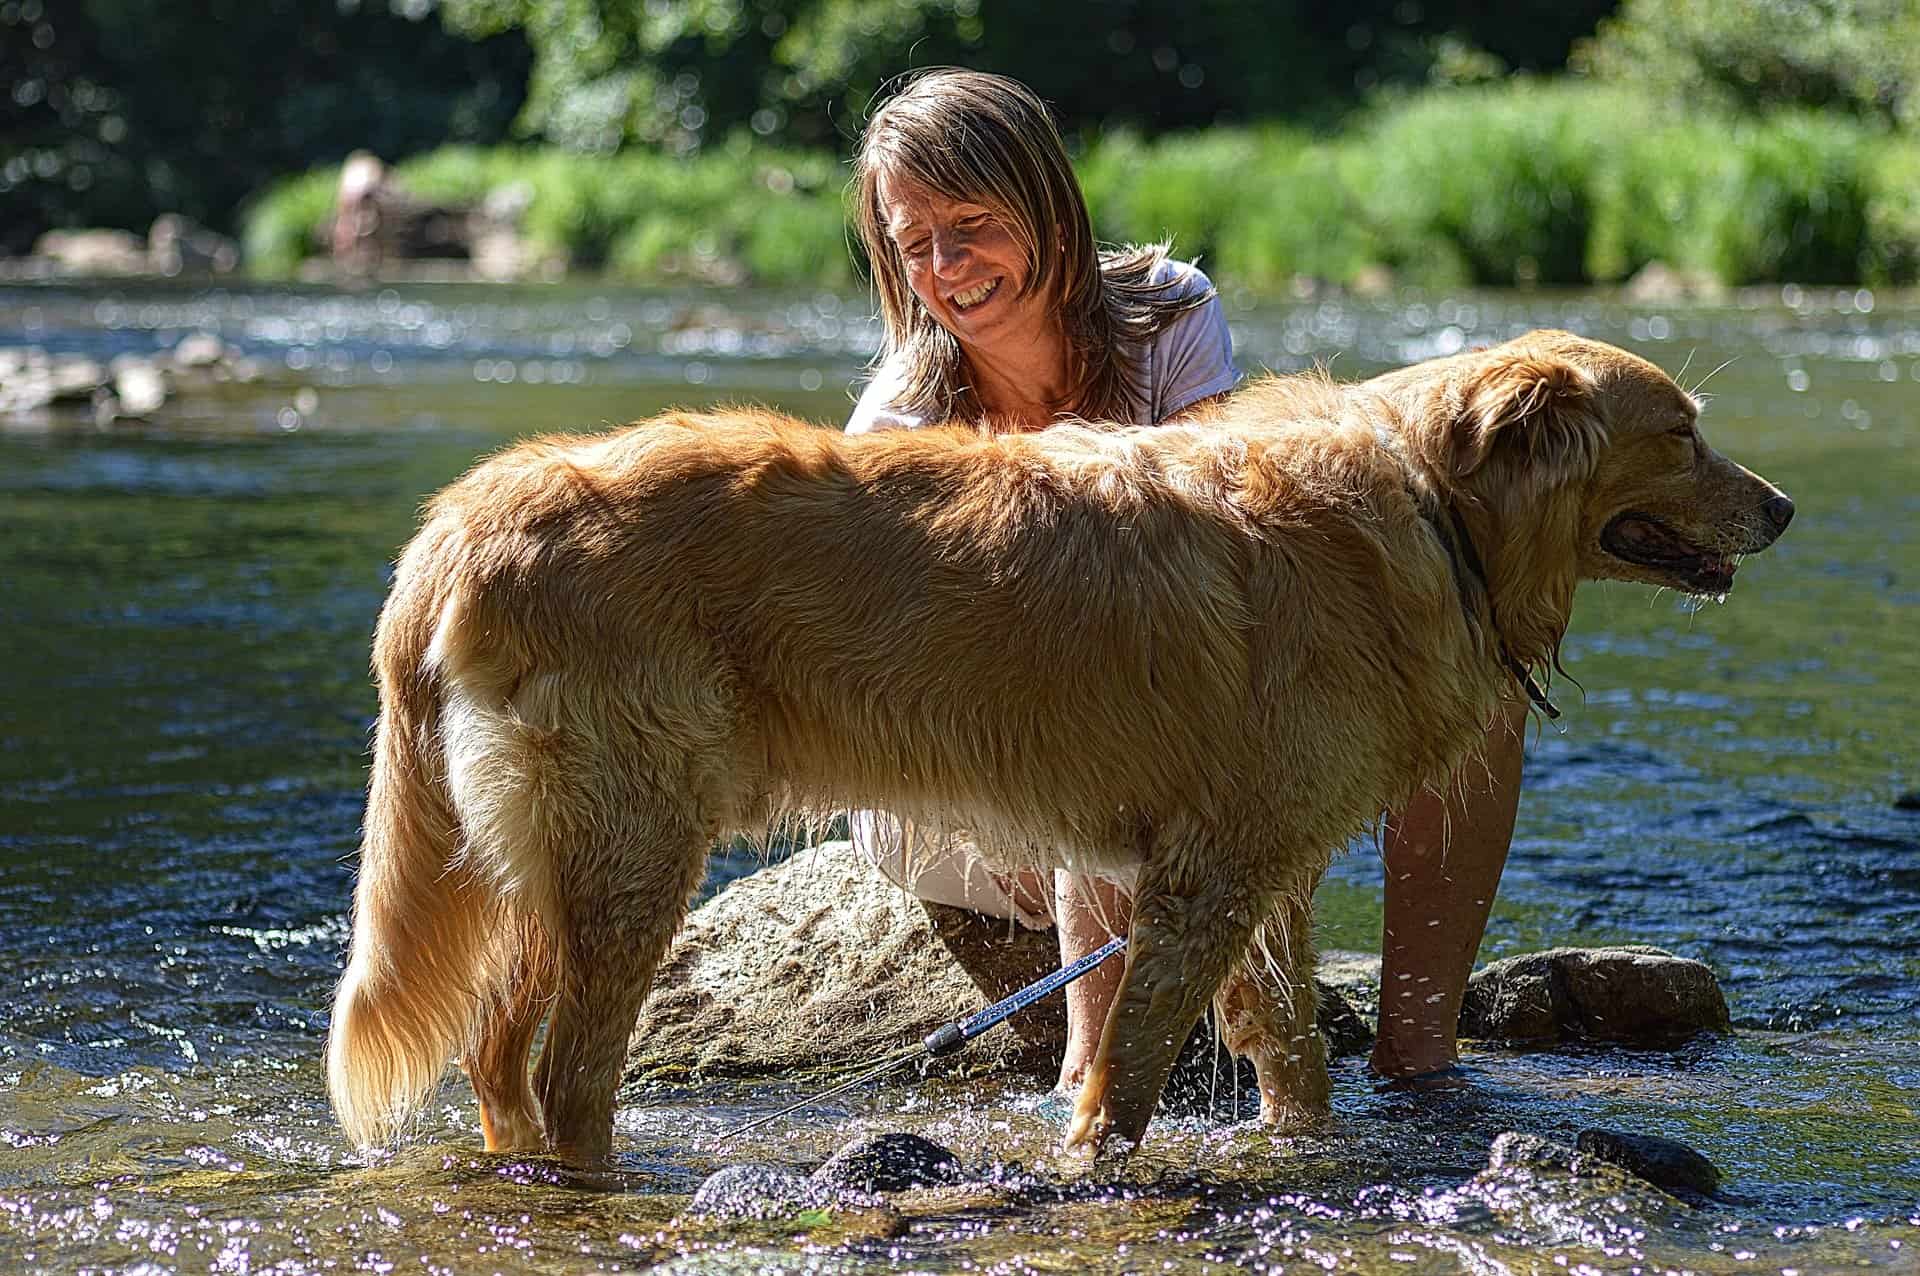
(1779, 512)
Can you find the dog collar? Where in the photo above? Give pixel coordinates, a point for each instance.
(1461, 541)
(1461, 553)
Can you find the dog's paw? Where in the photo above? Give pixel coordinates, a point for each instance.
(1286, 1117)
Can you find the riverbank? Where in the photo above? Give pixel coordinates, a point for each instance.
(1521, 183)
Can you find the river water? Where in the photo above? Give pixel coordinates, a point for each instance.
(183, 731)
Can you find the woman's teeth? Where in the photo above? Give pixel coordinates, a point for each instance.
(974, 296)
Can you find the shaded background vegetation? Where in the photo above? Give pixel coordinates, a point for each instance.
(1529, 142)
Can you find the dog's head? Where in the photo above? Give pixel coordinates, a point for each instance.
(1576, 446)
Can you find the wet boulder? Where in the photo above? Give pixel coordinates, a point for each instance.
(819, 962)
(177, 245)
(757, 1191)
(1665, 1163)
(1658, 283)
(200, 350)
(891, 1162)
(1632, 994)
(31, 379)
(92, 253)
(139, 388)
(1603, 1162)
(1532, 1183)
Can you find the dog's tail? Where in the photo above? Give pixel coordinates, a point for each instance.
(433, 939)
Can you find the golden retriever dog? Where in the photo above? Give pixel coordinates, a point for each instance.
(1211, 653)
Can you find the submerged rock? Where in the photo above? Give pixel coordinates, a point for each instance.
(1907, 801)
(1515, 1150)
(1665, 1163)
(820, 962)
(757, 1191)
(1606, 1159)
(1536, 1182)
(1632, 993)
(888, 1163)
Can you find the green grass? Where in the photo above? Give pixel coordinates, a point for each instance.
(1520, 183)
(283, 227)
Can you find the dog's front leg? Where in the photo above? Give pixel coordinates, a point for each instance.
(1267, 1011)
(1189, 929)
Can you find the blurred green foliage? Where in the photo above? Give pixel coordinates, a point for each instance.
(1857, 56)
(1526, 182)
(743, 209)
(679, 73)
(1517, 183)
(1434, 140)
(118, 110)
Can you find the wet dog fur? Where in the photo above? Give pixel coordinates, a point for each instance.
(1210, 652)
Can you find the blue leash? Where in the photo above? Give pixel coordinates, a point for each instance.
(948, 1038)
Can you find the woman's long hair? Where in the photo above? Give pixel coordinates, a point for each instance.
(990, 141)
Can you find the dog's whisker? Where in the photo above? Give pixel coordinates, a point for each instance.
(1699, 385)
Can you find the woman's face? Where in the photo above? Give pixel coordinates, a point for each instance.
(963, 262)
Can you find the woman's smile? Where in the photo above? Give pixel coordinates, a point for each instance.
(972, 297)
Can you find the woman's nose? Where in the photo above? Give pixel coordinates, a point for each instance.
(949, 254)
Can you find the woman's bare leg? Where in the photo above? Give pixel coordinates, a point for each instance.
(1444, 858)
(1089, 911)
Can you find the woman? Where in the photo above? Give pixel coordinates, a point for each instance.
(998, 306)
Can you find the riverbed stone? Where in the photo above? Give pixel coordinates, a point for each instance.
(757, 1191)
(177, 245)
(1530, 1175)
(892, 1162)
(99, 253)
(819, 963)
(1632, 994)
(1665, 1163)
(139, 386)
(200, 350)
(1356, 977)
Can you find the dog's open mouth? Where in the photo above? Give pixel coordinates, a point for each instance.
(1645, 541)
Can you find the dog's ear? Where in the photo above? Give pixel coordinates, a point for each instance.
(1537, 408)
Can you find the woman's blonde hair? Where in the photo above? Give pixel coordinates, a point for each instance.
(990, 141)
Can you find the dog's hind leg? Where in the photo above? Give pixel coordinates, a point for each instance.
(1191, 924)
(1268, 1012)
(622, 900)
(498, 1063)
